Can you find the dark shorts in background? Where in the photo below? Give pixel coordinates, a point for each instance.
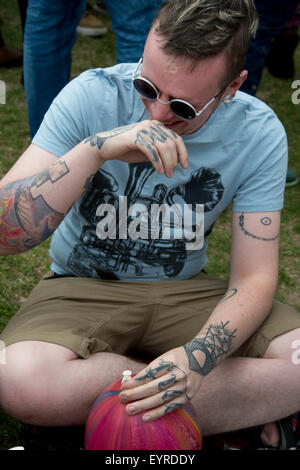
(131, 318)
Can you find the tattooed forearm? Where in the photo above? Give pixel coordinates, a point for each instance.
(25, 217)
(88, 181)
(264, 221)
(230, 293)
(205, 352)
(99, 139)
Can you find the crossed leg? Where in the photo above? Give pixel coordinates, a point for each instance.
(49, 385)
(245, 392)
(45, 384)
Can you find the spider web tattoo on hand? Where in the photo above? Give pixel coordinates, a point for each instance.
(216, 342)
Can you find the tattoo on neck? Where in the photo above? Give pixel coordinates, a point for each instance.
(205, 352)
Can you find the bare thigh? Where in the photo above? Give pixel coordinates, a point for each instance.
(27, 363)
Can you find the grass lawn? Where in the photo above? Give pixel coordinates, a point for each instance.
(18, 274)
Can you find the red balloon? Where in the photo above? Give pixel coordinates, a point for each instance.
(109, 427)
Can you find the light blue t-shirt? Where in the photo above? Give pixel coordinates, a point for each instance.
(238, 156)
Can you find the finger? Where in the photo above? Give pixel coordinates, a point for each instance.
(170, 146)
(149, 149)
(166, 386)
(153, 371)
(161, 145)
(160, 411)
(180, 145)
(157, 401)
(168, 157)
(149, 389)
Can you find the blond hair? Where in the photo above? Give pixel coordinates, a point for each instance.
(198, 29)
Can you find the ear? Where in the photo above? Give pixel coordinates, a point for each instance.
(235, 85)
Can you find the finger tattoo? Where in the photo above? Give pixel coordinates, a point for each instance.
(154, 134)
(170, 394)
(151, 372)
(166, 383)
(140, 139)
(172, 407)
(169, 130)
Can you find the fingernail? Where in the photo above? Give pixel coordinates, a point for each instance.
(146, 418)
(122, 397)
(131, 409)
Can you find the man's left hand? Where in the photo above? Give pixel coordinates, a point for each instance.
(165, 384)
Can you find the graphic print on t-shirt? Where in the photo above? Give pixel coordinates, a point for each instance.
(128, 230)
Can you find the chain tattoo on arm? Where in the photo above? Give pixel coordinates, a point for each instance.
(266, 221)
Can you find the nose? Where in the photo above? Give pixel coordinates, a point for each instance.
(161, 111)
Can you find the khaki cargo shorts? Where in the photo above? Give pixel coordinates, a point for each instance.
(138, 319)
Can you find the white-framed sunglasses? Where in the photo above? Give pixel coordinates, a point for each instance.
(181, 108)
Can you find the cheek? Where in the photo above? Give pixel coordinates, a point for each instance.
(146, 103)
(149, 105)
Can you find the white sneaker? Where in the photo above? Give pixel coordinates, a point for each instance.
(90, 25)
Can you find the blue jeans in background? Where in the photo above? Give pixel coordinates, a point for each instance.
(131, 21)
(50, 34)
(272, 18)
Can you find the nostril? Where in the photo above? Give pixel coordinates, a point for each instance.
(161, 111)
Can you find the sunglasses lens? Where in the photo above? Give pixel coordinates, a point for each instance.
(182, 110)
(145, 89)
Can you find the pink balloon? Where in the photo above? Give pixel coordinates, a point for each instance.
(109, 427)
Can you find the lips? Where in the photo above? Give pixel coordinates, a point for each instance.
(169, 124)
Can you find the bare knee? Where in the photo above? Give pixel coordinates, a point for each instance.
(26, 376)
(285, 346)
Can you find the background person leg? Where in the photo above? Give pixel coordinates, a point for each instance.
(131, 21)
(50, 33)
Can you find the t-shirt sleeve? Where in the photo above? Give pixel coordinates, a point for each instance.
(263, 180)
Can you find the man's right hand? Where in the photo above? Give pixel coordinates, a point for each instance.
(146, 140)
